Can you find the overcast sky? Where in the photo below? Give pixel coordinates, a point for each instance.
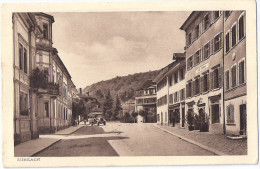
(100, 46)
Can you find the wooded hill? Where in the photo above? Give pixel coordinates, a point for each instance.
(123, 86)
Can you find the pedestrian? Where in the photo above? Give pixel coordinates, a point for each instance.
(76, 122)
(85, 122)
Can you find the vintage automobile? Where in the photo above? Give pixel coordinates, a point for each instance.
(96, 118)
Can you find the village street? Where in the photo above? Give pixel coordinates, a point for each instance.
(121, 139)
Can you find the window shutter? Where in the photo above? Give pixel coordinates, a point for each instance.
(201, 84)
(240, 72)
(221, 40)
(212, 47)
(210, 80)
(187, 90)
(220, 76)
(200, 28)
(202, 53)
(193, 88)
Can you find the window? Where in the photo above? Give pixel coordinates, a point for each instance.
(20, 57)
(171, 99)
(190, 62)
(188, 89)
(197, 86)
(181, 72)
(217, 42)
(241, 69)
(25, 60)
(205, 86)
(189, 39)
(46, 109)
(227, 80)
(175, 77)
(215, 79)
(45, 31)
(182, 94)
(197, 57)
(234, 35)
(170, 80)
(23, 101)
(176, 97)
(216, 15)
(241, 28)
(206, 51)
(206, 22)
(230, 114)
(233, 76)
(227, 42)
(227, 14)
(196, 31)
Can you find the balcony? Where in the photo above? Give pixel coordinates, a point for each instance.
(43, 42)
(51, 89)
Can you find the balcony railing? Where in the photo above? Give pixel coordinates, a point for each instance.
(51, 89)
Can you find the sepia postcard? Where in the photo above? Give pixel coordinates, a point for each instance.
(129, 83)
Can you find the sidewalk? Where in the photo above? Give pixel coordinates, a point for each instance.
(31, 147)
(217, 143)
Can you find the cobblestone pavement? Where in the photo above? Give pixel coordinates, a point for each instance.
(216, 141)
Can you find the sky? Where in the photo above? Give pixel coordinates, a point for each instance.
(96, 46)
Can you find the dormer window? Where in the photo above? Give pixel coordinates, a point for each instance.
(45, 31)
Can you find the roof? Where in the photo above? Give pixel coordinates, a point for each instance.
(177, 57)
(190, 18)
(55, 51)
(147, 84)
(46, 15)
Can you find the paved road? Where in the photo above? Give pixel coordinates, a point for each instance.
(122, 139)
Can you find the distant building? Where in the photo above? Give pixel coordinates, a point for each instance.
(146, 100)
(235, 72)
(45, 107)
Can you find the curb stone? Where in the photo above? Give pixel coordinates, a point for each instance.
(194, 142)
(44, 148)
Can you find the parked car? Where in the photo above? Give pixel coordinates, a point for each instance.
(96, 118)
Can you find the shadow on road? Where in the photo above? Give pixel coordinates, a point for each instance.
(90, 130)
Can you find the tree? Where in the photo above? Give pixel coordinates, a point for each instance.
(78, 108)
(126, 116)
(118, 108)
(38, 79)
(143, 113)
(108, 105)
(134, 115)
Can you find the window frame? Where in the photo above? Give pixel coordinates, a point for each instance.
(229, 44)
(204, 28)
(207, 43)
(234, 25)
(227, 87)
(234, 65)
(195, 57)
(238, 72)
(219, 42)
(244, 27)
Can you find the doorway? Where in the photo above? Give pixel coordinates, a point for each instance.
(182, 117)
(243, 120)
(161, 118)
(215, 113)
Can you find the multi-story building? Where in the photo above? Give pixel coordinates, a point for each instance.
(235, 72)
(25, 30)
(170, 92)
(42, 84)
(146, 100)
(204, 62)
(176, 91)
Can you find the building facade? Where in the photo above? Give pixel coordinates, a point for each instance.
(235, 72)
(146, 100)
(25, 30)
(204, 66)
(42, 84)
(171, 92)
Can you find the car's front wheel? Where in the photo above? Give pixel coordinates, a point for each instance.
(104, 123)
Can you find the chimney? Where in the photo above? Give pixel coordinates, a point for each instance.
(80, 90)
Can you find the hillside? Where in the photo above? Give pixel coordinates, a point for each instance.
(123, 86)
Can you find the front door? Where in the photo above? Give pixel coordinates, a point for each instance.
(215, 113)
(243, 119)
(183, 117)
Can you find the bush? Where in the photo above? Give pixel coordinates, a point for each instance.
(196, 122)
(190, 118)
(203, 121)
